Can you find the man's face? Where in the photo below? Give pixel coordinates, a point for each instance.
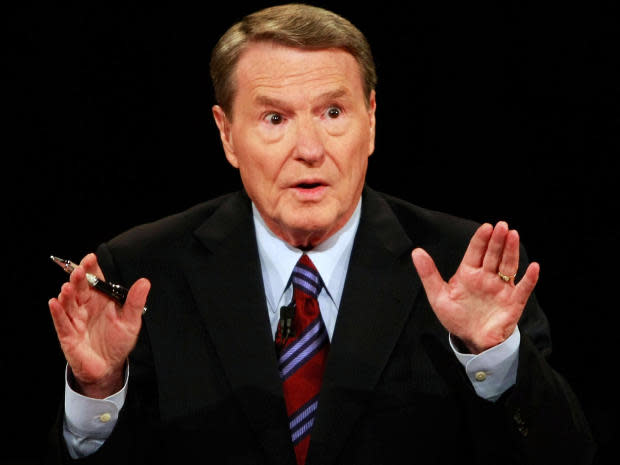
(300, 135)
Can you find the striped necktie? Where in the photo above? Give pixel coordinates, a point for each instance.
(302, 356)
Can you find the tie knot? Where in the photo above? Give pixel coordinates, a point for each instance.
(306, 278)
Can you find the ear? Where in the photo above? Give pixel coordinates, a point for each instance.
(372, 107)
(224, 125)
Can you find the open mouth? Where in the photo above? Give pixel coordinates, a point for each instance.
(308, 185)
(310, 190)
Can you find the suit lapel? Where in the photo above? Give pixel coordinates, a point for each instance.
(229, 292)
(379, 292)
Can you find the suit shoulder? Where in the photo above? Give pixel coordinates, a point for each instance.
(430, 225)
(168, 232)
(444, 236)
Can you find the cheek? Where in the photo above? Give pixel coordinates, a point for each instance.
(354, 155)
(253, 157)
(254, 173)
(259, 174)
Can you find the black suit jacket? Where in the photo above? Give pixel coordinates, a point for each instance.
(204, 383)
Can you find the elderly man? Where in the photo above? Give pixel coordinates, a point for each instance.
(286, 323)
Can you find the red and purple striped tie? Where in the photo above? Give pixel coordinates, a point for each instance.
(302, 356)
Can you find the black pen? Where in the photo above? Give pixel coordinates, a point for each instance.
(116, 291)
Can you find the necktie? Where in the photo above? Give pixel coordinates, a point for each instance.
(302, 356)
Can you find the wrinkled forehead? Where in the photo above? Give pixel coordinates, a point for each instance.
(270, 68)
(282, 66)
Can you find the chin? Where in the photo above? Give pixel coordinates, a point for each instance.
(309, 230)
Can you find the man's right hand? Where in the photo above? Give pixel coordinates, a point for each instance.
(95, 333)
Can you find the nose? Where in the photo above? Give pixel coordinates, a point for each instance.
(309, 146)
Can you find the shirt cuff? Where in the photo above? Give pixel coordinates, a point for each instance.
(493, 371)
(86, 417)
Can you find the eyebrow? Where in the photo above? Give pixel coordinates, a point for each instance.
(274, 102)
(270, 101)
(334, 94)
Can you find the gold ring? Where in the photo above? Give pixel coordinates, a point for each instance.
(506, 277)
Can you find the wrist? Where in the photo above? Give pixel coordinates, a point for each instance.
(477, 346)
(101, 388)
(465, 347)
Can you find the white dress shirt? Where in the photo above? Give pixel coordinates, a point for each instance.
(89, 422)
(330, 258)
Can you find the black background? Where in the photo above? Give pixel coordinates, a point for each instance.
(488, 112)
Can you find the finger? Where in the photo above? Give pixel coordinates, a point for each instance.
(83, 291)
(429, 275)
(510, 257)
(526, 285)
(91, 265)
(136, 300)
(80, 284)
(478, 246)
(493, 255)
(67, 298)
(62, 322)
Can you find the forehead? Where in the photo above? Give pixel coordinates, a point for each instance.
(273, 69)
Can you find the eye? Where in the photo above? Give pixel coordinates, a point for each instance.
(274, 118)
(333, 112)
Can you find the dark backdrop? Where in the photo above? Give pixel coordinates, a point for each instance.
(489, 112)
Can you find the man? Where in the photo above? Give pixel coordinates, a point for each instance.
(455, 373)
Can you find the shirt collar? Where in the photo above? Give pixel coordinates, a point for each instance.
(278, 258)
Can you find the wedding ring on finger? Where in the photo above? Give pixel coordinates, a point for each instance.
(506, 277)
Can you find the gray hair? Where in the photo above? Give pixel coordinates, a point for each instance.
(292, 25)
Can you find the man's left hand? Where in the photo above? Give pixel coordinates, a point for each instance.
(481, 304)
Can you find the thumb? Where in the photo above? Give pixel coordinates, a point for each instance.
(429, 275)
(136, 298)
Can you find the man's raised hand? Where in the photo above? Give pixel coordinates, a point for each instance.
(96, 334)
(478, 305)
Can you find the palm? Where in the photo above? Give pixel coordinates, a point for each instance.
(475, 305)
(101, 339)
